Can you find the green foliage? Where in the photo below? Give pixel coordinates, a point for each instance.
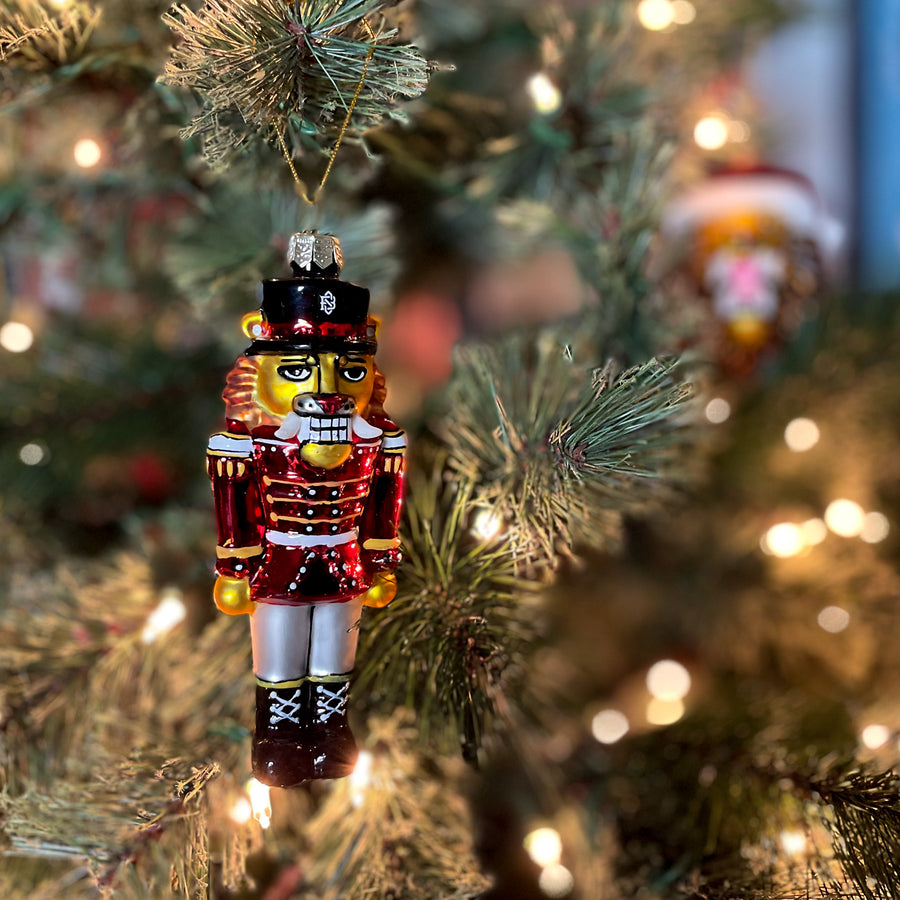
(267, 70)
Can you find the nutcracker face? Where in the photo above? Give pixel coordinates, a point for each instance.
(318, 395)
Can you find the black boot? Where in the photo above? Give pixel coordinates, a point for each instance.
(302, 734)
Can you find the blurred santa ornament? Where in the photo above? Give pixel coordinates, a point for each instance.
(755, 243)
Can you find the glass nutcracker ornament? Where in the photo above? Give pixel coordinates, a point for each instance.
(307, 479)
(754, 242)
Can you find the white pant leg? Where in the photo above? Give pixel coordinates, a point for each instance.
(280, 635)
(335, 633)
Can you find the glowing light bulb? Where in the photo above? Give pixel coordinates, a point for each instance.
(845, 518)
(241, 812)
(361, 777)
(875, 527)
(813, 531)
(738, 131)
(875, 736)
(656, 15)
(793, 842)
(668, 680)
(16, 337)
(717, 411)
(833, 619)
(609, 726)
(683, 12)
(711, 132)
(170, 611)
(556, 881)
(664, 712)
(487, 525)
(260, 802)
(801, 435)
(544, 93)
(32, 454)
(544, 846)
(87, 153)
(784, 540)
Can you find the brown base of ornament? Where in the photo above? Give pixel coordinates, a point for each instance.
(308, 748)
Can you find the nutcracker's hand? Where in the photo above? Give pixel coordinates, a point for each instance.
(383, 590)
(232, 595)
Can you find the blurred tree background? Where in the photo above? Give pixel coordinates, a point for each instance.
(643, 641)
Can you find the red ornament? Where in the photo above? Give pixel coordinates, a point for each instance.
(308, 481)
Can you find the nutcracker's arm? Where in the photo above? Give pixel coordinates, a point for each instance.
(239, 520)
(381, 517)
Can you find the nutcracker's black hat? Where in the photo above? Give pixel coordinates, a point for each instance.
(314, 310)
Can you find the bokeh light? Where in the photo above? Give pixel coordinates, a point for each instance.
(170, 611)
(16, 337)
(875, 736)
(813, 531)
(241, 811)
(544, 93)
(664, 712)
(833, 619)
(32, 454)
(783, 540)
(656, 15)
(487, 525)
(556, 881)
(793, 842)
(260, 802)
(668, 680)
(544, 846)
(609, 726)
(845, 518)
(683, 12)
(711, 132)
(87, 153)
(717, 411)
(875, 527)
(361, 777)
(801, 435)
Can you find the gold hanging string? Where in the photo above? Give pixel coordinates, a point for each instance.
(302, 190)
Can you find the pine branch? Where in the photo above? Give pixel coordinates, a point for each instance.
(559, 453)
(451, 645)
(33, 37)
(268, 70)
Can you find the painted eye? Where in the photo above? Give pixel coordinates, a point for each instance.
(295, 373)
(353, 373)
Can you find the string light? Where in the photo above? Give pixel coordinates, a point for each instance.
(16, 337)
(717, 411)
(656, 15)
(711, 132)
(544, 846)
(845, 518)
(783, 540)
(32, 454)
(609, 726)
(544, 93)
(683, 12)
(556, 881)
(664, 712)
(875, 736)
(833, 619)
(801, 435)
(793, 842)
(487, 525)
(668, 680)
(170, 611)
(260, 802)
(875, 527)
(813, 531)
(241, 812)
(87, 153)
(361, 777)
